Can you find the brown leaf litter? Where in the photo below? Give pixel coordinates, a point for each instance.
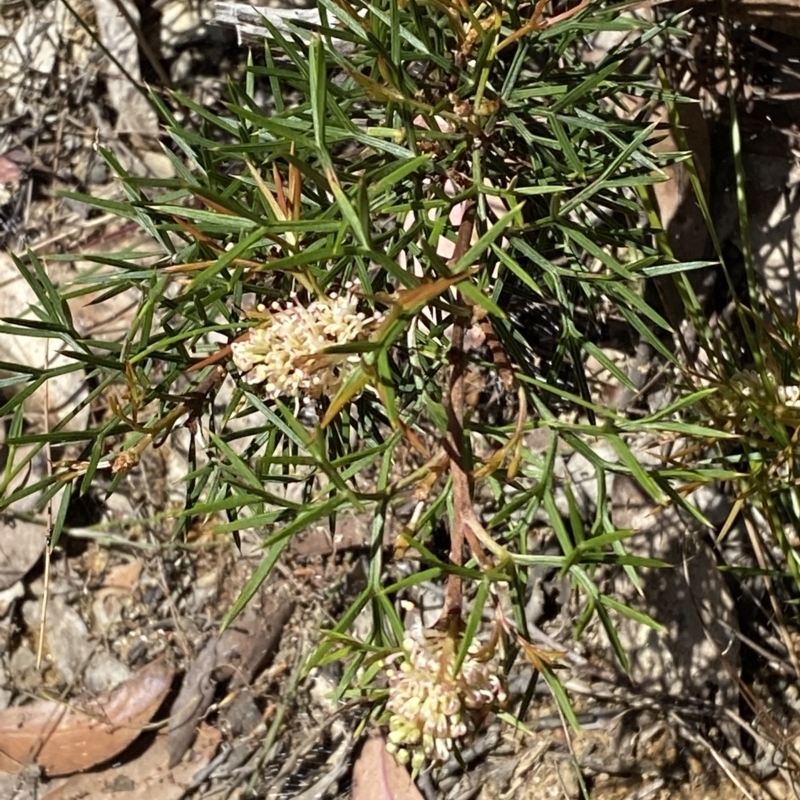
(62, 738)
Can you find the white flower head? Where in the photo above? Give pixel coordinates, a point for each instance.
(286, 354)
(432, 708)
(745, 392)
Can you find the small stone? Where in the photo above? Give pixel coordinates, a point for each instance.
(8, 596)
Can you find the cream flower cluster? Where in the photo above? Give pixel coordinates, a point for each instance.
(286, 354)
(431, 707)
(745, 390)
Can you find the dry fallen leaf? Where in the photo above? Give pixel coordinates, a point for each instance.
(192, 702)
(377, 776)
(61, 738)
(145, 778)
(236, 655)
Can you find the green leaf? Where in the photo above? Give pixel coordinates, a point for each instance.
(255, 581)
(474, 253)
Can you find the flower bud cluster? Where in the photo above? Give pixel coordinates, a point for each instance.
(286, 354)
(431, 707)
(745, 392)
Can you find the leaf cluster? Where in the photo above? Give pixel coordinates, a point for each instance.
(390, 123)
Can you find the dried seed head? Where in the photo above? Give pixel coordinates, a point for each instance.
(286, 355)
(124, 462)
